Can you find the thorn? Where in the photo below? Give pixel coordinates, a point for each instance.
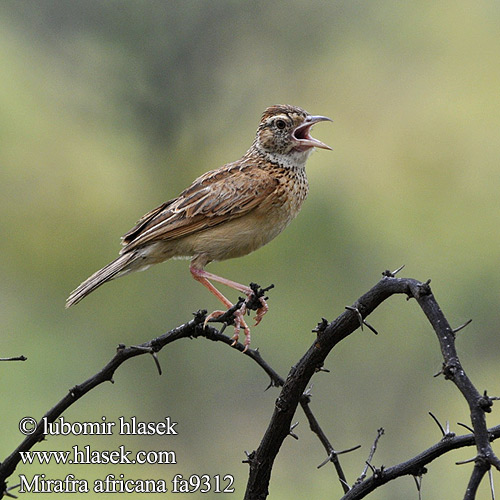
(356, 310)
(461, 327)
(326, 370)
(327, 459)
(446, 433)
(16, 358)
(438, 423)
(466, 426)
(254, 301)
(199, 315)
(308, 392)
(370, 466)
(157, 362)
(398, 269)
(357, 447)
(334, 454)
(392, 274)
(370, 327)
(321, 326)
(492, 486)
(271, 384)
(423, 289)
(249, 456)
(418, 482)
(345, 483)
(361, 320)
(7, 491)
(463, 462)
(291, 430)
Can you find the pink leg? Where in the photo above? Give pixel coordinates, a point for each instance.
(199, 274)
(232, 284)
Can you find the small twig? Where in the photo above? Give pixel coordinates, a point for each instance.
(380, 433)
(16, 358)
(316, 428)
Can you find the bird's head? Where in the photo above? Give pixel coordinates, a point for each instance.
(284, 130)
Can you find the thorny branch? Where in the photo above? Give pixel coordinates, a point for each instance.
(293, 392)
(328, 336)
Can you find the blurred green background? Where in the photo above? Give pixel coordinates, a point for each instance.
(107, 109)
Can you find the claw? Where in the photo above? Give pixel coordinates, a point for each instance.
(239, 323)
(212, 315)
(261, 311)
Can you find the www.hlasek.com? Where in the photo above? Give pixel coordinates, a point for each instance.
(85, 455)
(39, 483)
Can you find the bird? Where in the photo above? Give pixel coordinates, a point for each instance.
(225, 213)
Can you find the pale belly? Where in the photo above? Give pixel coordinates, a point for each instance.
(234, 238)
(228, 240)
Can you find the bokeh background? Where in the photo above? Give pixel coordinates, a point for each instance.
(107, 109)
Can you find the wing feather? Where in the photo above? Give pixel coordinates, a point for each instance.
(215, 197)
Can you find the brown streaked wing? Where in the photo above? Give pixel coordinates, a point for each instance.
(213, 198)
(143, 221)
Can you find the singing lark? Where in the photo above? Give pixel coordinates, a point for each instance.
(226, 213)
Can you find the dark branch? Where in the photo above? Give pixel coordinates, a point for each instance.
(373, 449)
(332, 454)
(293, 392)
(328, 336)
(123, 353)
(17, 358)
(416, 465)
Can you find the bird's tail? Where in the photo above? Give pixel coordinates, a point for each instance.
(118, 267)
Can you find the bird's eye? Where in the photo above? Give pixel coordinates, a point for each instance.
(280, 124)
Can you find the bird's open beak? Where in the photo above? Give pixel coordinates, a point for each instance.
(301, 133)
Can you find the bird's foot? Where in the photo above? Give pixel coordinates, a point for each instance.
(236, 315)
(256, 301)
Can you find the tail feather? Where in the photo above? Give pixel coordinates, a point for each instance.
(118, 267)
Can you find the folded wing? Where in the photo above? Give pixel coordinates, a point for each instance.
(209, 201)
